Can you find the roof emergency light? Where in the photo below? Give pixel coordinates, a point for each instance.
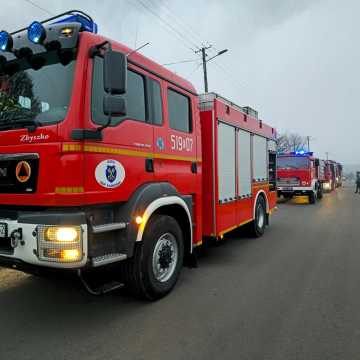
(302, 153)
(36, 33)
(6, 41)
(86, 23)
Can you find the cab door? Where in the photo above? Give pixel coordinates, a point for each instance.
(175, 141)
(116, 165)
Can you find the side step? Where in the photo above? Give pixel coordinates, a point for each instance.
(101, 290)
(107, 259)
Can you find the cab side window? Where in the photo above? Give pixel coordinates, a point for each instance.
(155, 102)
(135, 96)
(179, 110)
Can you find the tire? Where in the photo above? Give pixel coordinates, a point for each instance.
(155, 267)
(320, 192)
(257, 226)
(312, 198)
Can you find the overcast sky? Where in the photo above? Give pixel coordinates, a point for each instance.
(295, 61)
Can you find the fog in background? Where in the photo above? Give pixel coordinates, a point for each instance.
(295, 61)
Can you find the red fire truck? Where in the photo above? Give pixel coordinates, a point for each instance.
(339, 174)
(330, 176)
(110, 164)
(300, 173)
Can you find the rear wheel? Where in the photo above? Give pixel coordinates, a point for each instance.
(157, 262)
(257, 226)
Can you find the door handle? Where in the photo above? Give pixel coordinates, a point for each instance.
(149, 165)
(194, 167)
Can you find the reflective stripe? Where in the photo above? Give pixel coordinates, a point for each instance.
(69, 190)
(115, 151)
(234, 227)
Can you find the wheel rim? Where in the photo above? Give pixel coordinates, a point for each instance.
(260, 216)
(165, 257)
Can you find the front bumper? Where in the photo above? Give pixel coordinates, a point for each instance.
(26, 249)
(295, 190)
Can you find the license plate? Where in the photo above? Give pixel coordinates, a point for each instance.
(287, 188)
(3, 230)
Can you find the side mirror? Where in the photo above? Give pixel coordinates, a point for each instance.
(317, 162)
(114, 105)
(115, 72)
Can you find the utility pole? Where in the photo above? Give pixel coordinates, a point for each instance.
(205, 61)
(206, 85)
(327, 156)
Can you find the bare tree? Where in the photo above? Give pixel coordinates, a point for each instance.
(290, 142)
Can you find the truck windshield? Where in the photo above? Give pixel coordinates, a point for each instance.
(39, 97)
(292, 162)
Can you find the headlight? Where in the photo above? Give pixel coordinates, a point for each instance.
(62, 234)
(60, 243)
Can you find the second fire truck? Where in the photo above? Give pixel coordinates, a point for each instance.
(300, 173)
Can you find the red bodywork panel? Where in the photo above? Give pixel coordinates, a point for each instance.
(220, 218)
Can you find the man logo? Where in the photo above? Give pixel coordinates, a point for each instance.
(23, 171)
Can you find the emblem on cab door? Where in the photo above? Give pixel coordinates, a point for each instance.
(110, 174)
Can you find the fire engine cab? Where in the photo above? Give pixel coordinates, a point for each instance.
(110, 164)
(299, 173)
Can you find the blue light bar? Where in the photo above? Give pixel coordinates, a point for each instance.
(302, 153)
(36, 33)
(6, 41)
(87, 25)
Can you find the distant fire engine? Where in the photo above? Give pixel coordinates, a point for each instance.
(110, 162)
(333, 175)
(300, 173)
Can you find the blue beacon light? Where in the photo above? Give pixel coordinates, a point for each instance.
(6, 41)
(36, 33)
(86, 24)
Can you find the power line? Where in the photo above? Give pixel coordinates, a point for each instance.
(187, 42)
(39, 7)
(193, 71)
(213, 49)
(230, 76)
(189, 38)
(191, 33)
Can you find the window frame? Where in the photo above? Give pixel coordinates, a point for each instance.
(149, 95)
(191, 125)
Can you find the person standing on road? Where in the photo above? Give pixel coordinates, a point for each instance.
(357, 191)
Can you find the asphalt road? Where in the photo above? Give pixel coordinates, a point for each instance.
(293, 294)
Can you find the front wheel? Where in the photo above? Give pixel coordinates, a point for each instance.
(312, 198)
(320, 192)
(158, 259)
(257, 226)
